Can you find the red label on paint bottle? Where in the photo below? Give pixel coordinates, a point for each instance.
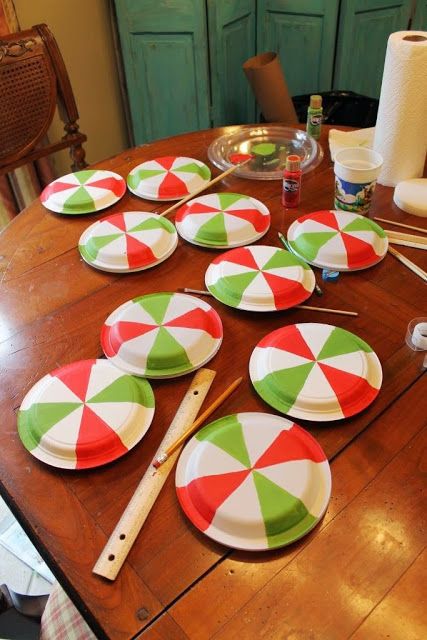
(291, 191)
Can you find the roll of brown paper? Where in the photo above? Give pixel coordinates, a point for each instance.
(267, 80)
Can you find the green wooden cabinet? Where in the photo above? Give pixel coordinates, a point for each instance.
(183, 58)
(182, 61)
(363, 32)
(419, 19)
(303, 33)
(231, 27)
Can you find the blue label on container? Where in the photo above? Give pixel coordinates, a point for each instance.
(351, 196)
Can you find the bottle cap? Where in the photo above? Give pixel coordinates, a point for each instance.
(293, 163)
(315, 102)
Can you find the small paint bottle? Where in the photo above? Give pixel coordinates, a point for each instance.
(314, 116)
(291, 192)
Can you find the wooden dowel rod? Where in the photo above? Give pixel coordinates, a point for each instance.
(203, 188)
(400, 224)
(337, 311)
(298, 306)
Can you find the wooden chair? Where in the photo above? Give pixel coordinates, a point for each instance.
(33, 82)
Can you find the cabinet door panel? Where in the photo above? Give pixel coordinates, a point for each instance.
(164, 47)
(302, 32)
(231, 42)
(364, 28)
(419, 22)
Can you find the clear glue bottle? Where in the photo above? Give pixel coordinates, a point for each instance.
(291, 192)
(314, 116)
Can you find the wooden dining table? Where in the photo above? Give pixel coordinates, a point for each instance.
(358, 573)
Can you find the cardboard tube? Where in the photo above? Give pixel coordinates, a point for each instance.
(265, 75)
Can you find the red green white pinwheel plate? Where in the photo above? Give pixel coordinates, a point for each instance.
(162, 335)
(168, 178)
(259, 278)
(221, 220)
(129, 241)
(253, 481)
(315, 371)
(85, 414)
(83, 192)
(338, 240)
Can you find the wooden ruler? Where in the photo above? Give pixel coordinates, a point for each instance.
(121, 540)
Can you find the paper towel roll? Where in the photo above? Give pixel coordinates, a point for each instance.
(401, 128)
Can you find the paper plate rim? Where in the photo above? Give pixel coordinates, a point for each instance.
(331, 265)
(60, 461)
(167, 373)
(109, 269)
(219, 247)
(76, 212)
(313, 415)
(215, 533)
(259, 307)
(146, 195)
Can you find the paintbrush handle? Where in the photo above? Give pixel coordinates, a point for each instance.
(203, 188)
(160, 460)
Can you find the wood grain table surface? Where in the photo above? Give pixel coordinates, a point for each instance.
(357, 575)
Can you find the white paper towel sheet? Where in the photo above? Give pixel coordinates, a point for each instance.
(401, 127)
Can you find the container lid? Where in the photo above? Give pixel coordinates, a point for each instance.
(315, 101)
(129, 241)
(293, 163)
(220, 220)
(267, 146)
(162, 335)
(83, 192)
(339, 240)
(85, 414)
(168, 178)
(259, 278)
(314, 371)
(253, 481)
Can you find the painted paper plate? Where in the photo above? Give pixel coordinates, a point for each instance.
(253, 481)
(221, 220)
(267, 146)
(259, 278)
(315, 371)
(83, 192)
(85, 414)
(168, 178)
(338, 240)
(162, 335)
(130, 241)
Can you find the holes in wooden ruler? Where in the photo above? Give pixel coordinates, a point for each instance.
(122, 536)
(111, 557)
(195, 393)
